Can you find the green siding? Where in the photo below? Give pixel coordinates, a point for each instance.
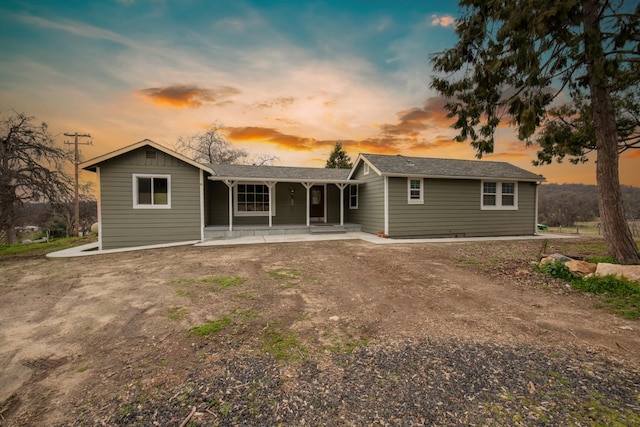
(123, 226)
(452, 208)
(290, 208)
(370, 212)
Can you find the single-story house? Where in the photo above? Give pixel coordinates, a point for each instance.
(149, 194)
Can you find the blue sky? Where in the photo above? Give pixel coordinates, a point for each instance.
(285, 78)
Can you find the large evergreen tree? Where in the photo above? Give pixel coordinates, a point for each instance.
(515, 60)
(339, 159)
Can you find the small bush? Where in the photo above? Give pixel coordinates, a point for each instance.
(620, 296)
(607, 285)
(557, 269)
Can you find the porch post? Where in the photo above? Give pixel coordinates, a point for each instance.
(230, 185)
(341, 187)
(270, 185)
(308, 186)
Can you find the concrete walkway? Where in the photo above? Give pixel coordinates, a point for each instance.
(92, 248)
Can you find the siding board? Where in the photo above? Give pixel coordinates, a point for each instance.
(123, 226)
(452, 208)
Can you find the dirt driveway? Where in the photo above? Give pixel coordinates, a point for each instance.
(106, 340)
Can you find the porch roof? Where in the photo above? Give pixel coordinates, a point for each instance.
(253, 173)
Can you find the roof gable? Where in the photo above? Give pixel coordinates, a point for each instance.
(446, 168)
(93, 163)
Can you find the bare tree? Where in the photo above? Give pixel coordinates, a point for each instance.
(31, 169)
(211, 146)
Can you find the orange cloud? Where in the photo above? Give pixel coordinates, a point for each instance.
(631, 154)
(276, 102)
(415, 120)
(507, 156)
(443, 21)
(270, 135)
(180, 96)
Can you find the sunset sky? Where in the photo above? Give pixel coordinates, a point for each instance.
(284, 78)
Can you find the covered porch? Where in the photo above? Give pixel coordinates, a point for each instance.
(223, 232)
(245, 200)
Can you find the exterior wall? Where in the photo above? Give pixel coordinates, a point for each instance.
(452, 208)
(286, 212)
(123, 226)
(370, 212)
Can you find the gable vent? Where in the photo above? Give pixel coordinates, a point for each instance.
(150, 154)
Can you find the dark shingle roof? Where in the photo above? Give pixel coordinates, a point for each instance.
(279, 173)
(449, 168)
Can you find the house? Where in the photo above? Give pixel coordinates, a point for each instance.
(149, 194)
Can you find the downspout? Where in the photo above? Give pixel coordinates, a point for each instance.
(99, 206)
(535, 222)
(386, 205)
(201, 204)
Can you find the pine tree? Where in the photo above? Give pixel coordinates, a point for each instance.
(339, 159)
(516, 60)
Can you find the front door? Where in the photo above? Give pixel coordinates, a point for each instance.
(316, 210)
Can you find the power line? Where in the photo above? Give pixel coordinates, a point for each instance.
(76, 206)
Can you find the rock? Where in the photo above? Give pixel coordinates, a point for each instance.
(555, 257)
(27, 241)
(629, 272)
(334, 318)
(626, 328)
(95, 227)
(581, 268)
(522, 272)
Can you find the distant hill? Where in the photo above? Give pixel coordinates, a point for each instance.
(566, 204)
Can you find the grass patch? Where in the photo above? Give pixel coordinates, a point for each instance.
(347, 346)
(283, 346)
(221, 282)
(177, 313)
(183, 293)
(210, 327)
(620, 296)
(289, 277)
(40, 249)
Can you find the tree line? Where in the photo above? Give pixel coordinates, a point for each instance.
(566, 204)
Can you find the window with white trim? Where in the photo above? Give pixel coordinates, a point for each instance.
(366, 168)
(415, 190)
(151, 191)
(353, 196)
(499, 195)
(252, 200)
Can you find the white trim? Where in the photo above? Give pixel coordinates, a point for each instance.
(535, 222)
(357, 196)
(136, 204)
(362, 158)
(93, 162)
(386, 205)
(99, 206)
(419, 201)
(342, 187)
(201, 205)
(268, 213)
(498, 206)
(365, 169)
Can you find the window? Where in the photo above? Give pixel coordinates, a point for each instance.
(151, 191)
(252, 200)
(353, 196)
(415, 190)
(499, 195)
(366, 168)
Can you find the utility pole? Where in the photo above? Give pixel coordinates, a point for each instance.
(76, 200)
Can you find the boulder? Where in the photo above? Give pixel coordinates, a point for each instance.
(555, 257)
(95, 227)
(629, 272)
(581, 268)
